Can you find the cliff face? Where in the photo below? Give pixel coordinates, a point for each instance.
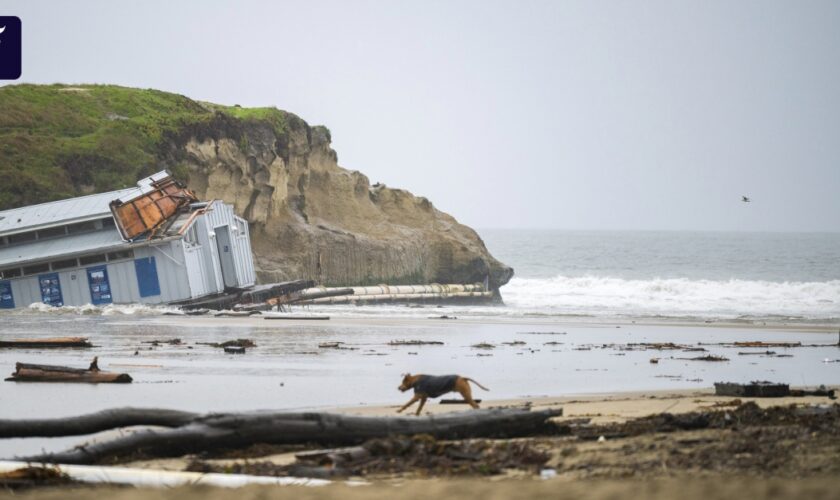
(309, 217)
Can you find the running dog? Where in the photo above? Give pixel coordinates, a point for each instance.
(430, 386)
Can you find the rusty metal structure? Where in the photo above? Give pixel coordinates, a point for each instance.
(161, 197)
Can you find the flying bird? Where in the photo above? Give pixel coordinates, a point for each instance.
(745, 199)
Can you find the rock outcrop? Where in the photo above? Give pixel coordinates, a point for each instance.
(312, 219)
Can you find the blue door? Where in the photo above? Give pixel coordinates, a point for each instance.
(7, 300)
(50, 289)
(100, 288)
(147, 277)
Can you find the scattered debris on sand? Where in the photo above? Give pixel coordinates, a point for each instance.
(765, 389)
(483, 345)
(414, 342)
(708, 357)
(541, 333)
(515, 342)
(420, 454)
(159, 342)
(230, 343)
(444, 316)
(336, 345)
(46, 343)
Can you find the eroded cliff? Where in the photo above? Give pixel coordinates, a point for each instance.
(311, 218)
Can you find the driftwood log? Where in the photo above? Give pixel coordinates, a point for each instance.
(27, 372)
(50, 343)
(238, 430)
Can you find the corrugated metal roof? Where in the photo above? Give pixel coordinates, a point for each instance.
(56, 213)
(95, 242)
(59, 212)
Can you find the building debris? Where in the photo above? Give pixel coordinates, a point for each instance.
(476, 293)
(233, 349)
(161, 198)
(27, 372)
(46, 343)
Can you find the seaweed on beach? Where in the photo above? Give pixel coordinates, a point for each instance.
(421, 454)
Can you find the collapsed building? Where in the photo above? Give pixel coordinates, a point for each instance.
(154, 243)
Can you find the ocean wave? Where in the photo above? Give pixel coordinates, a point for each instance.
(674, 297)
(92, 310)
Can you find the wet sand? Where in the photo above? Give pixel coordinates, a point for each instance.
(531, 359)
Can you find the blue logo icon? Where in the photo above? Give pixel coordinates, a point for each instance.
(10, 51)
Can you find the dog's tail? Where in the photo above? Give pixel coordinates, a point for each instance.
(476, 383)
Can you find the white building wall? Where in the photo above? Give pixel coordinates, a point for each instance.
(222, 215)
(26, 291)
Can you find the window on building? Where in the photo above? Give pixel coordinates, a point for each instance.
(240, 226)
(108, 223)
(64, 264)
(13, 272)
(36, 269)
(21, 237)
(51, 232)
(3, 241)
(92, 259)
(191, 237)
(121, 255)
(82, 227)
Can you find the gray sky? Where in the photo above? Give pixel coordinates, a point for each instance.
(558, 114)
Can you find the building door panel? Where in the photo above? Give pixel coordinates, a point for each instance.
(50, 289)
(226, 256)
(7, 299)
(147, 276)
(100, 286)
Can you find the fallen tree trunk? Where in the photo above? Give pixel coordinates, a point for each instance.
(27, 372)
(94, 422)
(237, 430)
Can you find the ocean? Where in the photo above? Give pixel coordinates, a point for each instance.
(751, 277)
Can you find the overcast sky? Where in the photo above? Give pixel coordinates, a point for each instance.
(539, 114)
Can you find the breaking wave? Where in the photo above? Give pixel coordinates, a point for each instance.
(674, 297)
(92, 310)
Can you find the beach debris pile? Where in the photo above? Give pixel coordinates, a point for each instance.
(420, 454)
(766, 389)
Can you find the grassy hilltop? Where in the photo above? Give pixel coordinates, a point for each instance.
(60, 141)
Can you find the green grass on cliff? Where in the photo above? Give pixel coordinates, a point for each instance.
(59, 141)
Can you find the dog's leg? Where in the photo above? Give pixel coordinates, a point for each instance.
(410, 402)
(422, 402)
(463, 387)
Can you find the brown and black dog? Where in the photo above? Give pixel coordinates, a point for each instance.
(430, 386)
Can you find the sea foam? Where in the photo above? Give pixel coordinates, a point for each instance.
(674, 297)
